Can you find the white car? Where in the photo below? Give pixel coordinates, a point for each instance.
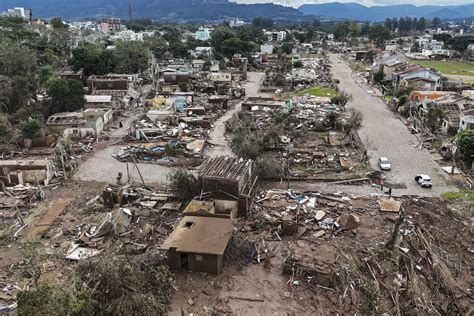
(384, 164)
(424, 180)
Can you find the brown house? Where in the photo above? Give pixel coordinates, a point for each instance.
(229, 179)
(194, 246)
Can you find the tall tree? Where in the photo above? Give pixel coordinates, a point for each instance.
(378, 33)
(132, 57)
(65, 95)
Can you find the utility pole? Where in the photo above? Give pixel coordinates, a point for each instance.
(130, 10)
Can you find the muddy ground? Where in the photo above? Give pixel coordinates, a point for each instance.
(344, 282)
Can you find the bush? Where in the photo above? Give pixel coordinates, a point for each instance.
(341, 99)
(7, 135)
(332, 119)
(184, 87)
(184, 184)
(354, 122)
(246, 145)
(268, 168)
(30, 127)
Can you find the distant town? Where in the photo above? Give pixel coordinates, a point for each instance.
(247, 166)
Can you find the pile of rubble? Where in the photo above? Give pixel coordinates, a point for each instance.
(123, 219)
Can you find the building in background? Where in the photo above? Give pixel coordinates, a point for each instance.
(18, 12)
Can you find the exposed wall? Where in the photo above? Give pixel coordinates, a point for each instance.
(196, 262)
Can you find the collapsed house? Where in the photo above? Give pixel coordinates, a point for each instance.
(15, 172)
(229, 179)
(75, 124)
(194, 246)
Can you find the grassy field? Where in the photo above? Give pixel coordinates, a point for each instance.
(317, 92)
(465, 194)
(448, 67)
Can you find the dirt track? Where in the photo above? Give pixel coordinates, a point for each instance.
(217, 135)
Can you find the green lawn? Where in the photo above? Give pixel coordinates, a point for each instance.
(317, 92)
(465, 194)
(448, 67)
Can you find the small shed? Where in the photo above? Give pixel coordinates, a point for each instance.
(194, 246)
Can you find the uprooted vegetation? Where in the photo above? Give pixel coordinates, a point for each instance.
(306, 140)
(106, 286)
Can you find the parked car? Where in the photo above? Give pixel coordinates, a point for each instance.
(424, 180)
(384, 164)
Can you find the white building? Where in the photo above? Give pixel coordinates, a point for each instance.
(236, 23)
(276, 36)
(201, 51)
(203, 33)
(266, 49)
(18, 12)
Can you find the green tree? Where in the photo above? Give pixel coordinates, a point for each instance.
(5, 93)
(341, 30)
(436, 22)
(466, 145)
(287, 48)
(7, 135)
(232, 46)
(379, 34)
(260, 22)
(434, 118)
(58, 24)
(184, 184)
(421, 24)
(131, 57)
(18, 64)
(93, 60)
(157, 44)
(354, 29)
(31, 127)
(460, 43)
(379, 75)
(354, 122)
(43, 75)
(65, 95)
(219, 35)
(179, 50)
(442, 37)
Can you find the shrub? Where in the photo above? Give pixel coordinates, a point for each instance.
(7, 135)
(184, 87)
(268, 168)
(30, 127)
(354, 122)
(341, 99)
(184, 184)
(332, 119)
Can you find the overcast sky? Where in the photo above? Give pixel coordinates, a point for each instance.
(297, 3)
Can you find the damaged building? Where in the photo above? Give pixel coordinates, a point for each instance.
(193, 246)
(229, 179)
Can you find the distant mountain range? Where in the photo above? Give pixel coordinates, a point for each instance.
(165, 10)
(216, 10)
(355, 11)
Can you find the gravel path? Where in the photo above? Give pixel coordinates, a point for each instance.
(385, 135)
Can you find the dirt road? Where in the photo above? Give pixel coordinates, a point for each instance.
(217, 135)
(386, 136)
(103, 167)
